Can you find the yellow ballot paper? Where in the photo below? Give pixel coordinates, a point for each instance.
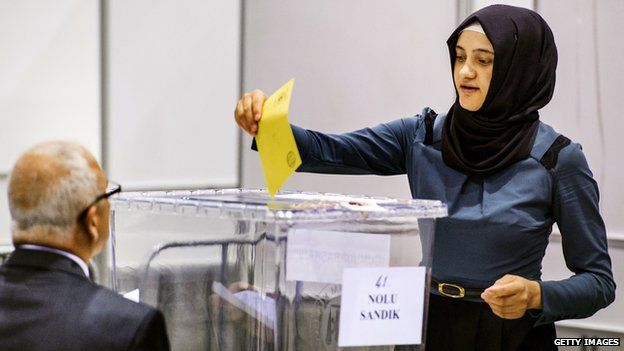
(275, 140)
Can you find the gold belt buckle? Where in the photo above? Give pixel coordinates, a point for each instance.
(460, 291)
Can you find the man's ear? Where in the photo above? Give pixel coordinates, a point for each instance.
(90, 224)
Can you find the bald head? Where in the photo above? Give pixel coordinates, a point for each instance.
(50, 184)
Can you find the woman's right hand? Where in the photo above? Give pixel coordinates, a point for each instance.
(249, 111)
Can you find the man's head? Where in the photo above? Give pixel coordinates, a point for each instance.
(50, 185)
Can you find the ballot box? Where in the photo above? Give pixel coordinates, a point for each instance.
(236, 269)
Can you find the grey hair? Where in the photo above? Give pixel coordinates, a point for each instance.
(59, 203)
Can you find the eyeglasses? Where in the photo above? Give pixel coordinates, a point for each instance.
(111, 189)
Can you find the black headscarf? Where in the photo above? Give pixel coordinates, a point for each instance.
(503, 130)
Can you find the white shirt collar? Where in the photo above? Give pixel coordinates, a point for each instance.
(69, 255)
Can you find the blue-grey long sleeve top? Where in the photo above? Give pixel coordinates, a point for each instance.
(497, 224)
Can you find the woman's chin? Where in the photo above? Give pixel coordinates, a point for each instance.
(470, 106)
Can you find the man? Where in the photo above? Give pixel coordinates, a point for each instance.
(58, 200)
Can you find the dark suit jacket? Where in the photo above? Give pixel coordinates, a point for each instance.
(47, 303)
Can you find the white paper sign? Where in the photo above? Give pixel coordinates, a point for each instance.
(134, 295)
(382, 306)
(320, 256)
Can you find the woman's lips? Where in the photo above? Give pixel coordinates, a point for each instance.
(468, 89)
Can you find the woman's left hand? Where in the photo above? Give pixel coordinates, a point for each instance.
(511, 296)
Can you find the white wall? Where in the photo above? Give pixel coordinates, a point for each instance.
(173, 79)
(49, 89)
(172, 76)
(586, 107)
(356, 63)
(478, 4)
(587, 102)
(5, 218)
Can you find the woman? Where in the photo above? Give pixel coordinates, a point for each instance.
(506, 178)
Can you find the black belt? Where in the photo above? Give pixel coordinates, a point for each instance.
(455, 291)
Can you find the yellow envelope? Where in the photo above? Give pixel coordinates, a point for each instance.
(275, 140)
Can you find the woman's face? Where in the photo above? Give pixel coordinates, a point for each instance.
(472, 70)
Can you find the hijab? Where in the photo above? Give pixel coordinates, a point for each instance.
(503, 130)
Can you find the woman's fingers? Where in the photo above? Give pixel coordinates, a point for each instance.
(247, 100)
(258, 101)
(248, 111)
(239, 116)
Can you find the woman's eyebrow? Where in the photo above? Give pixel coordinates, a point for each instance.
(484, 50)
(480, 50)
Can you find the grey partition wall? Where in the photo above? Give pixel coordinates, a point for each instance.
(50, 80)
(356, 63)
(172, 80)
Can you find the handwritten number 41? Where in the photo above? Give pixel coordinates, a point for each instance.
(381, 281)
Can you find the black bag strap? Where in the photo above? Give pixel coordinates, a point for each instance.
(433, 128)
(549, 160)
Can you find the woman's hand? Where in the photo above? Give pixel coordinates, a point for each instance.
(249, 111)
(511, 296)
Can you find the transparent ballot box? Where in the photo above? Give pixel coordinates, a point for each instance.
(238, 270)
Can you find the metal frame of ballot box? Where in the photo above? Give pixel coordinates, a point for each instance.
(224, 286)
